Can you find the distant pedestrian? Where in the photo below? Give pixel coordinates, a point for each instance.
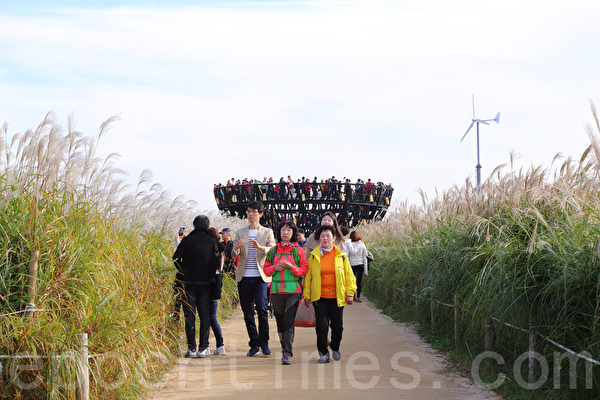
(228, 266)
(178, 290)
(300, 238)
(357, 253)
(216, 296)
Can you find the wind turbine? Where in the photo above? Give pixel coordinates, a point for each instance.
(479, 121)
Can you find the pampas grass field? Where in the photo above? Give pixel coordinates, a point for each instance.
(100, 251)
(93, 254)
(524, 249)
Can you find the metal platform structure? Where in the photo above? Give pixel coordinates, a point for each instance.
(352, 203)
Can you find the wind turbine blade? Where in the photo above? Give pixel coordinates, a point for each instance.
(470, 126)
(497, 119)
(473, 102)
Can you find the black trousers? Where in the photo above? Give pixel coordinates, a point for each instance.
(284, 308)
(358, 273)
(328, 313)
(197, 298)
(254, 296)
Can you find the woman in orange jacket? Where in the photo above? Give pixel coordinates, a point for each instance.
(330, 285)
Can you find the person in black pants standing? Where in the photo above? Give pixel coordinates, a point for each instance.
(251, 245)
(197, 260)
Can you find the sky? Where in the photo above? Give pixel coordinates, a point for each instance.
(209, 90)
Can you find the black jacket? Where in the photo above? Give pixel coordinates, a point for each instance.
(197, 258)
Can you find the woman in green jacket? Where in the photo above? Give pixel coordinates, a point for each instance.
(286, 264)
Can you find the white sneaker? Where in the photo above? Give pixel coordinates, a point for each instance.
(190, 354)
(220, 351)
(203, 353)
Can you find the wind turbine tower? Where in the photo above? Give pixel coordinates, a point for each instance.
(479, 121)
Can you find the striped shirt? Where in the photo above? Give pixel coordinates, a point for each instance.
(251, 265)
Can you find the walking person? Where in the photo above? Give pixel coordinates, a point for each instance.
(328, 218)
(251, 244)
(300, 238)
(197, 258)
(286, 264)
(178, 291)
(357, 254)
(329, 284)
(215, 296)
(228, 266)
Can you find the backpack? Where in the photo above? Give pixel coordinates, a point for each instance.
(216, 256)
(216, 285)
(294, 253)
(271, 254)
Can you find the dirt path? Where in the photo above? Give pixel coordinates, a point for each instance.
(381, 359)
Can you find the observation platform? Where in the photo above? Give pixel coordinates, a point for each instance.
(352, 203)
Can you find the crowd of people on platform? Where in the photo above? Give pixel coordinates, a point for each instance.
(282, 267)
(236, 190)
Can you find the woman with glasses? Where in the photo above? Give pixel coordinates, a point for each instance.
(286, 265)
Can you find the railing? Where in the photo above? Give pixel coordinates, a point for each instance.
(304, 203)
(488, 329)
(276, 192)
(81, 364)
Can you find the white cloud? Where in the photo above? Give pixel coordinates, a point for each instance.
(369, 89)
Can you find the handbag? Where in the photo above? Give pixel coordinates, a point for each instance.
(216, 286)
(305, 316)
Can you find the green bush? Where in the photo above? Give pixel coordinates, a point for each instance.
(523, 249)
(104, 268)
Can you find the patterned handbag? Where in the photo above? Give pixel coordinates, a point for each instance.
(305, 316)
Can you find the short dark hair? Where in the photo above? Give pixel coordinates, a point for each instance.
(345, 230)
(201, 223)
(324, 228)
(355, 237)
(290, 225)
(300, 230)
(257, 205)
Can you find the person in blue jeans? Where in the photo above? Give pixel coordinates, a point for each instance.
(251, 244)
(216, 295)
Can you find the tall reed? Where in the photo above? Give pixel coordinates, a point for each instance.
(104, 266)
(524, 249)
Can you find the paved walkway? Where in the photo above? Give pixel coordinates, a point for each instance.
(381, 359)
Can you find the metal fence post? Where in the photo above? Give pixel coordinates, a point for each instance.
(83, 374)
(456, 319)
(488, 335)
(432, 312)
(416, 306)
(533, 370)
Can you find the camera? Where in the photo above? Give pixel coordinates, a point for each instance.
(181, 229)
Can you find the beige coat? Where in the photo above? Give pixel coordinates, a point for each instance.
(265, 240)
